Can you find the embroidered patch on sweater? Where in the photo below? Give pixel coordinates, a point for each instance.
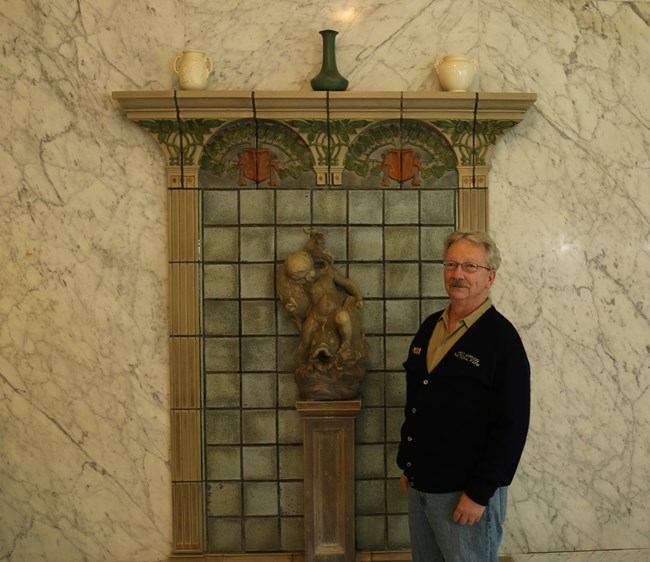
(417, 350)
(467, 357)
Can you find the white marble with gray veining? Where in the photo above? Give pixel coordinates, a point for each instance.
(570, 205)
(84, 428)
(83, 361)
(380, 46)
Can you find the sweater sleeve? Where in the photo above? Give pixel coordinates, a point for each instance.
(510, 414)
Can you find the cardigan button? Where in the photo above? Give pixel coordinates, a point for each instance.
(413, 410)
(409, 438)
(425, 381)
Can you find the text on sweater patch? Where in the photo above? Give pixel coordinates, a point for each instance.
(467, 357)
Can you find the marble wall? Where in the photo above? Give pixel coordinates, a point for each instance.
(84, 423)
(84, 427)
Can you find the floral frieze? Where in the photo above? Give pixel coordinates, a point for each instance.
(328, 138)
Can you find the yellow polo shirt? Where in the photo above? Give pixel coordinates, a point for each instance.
(442, 340)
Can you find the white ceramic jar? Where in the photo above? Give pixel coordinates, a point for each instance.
(193, 69)
(456, 72)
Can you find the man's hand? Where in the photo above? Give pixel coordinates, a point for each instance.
(467, 511)
(404, 481)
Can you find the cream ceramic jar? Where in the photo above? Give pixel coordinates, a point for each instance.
(455, 72)
(193, 69)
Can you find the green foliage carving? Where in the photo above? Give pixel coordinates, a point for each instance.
(470, 140)
(168, 133)
(340, 133)
(361, 157)
(220, 154)
(486, 134)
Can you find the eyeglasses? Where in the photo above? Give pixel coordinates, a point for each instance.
(467, 267)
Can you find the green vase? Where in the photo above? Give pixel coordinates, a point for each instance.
(329, 77)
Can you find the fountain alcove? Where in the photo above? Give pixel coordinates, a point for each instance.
(385, 176)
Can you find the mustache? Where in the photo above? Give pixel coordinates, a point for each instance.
(458, 283)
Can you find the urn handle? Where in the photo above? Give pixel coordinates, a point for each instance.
(208, 64)
(177, 61)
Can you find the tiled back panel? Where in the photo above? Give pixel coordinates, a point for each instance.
(389, 241)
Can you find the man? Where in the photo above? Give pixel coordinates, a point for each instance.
(466, 415)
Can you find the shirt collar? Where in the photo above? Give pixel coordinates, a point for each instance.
(470, 318)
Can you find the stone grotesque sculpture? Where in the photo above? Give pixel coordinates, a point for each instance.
(325, 307)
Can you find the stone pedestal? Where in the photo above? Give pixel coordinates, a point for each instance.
(328, 432)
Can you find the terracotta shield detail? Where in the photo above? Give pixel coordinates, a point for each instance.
(400, 164)
(258, 165)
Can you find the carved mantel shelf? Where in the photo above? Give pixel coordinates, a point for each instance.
(239, 104)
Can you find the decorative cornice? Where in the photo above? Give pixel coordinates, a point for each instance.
(238, 104)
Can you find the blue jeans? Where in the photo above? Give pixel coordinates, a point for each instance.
(436, 538)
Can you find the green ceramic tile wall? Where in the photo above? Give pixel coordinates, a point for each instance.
(371, 497)
(261, 533)
(224, 498)
(260, 498)
(257, 244)
(260, 463)
(370, 460)
(388, 241)
(221, 244)
(258, 318)
(224, 534)
(292, 533)
(330, 206)
(220, 281)
(223, 463)
(366, 207)
(401, 243)
(370, 532)
(258, 426)
(257, 206)
(258, 390)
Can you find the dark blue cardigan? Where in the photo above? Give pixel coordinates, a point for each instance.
(466, 422)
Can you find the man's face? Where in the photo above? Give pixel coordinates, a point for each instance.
(468, 289)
